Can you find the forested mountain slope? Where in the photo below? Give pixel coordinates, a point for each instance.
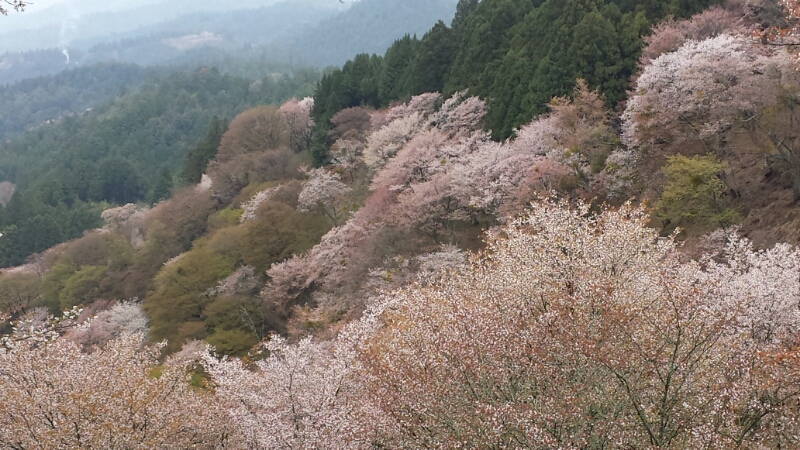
(128, 150)
(30, 103)
(173, 33)
(584, 283)
(516, 53)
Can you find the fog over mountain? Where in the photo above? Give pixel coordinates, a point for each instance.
(55, 35)
(61, 23)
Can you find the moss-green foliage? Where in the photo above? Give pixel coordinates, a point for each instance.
(279, 232)
(20, 292)
(91, 268)
(171, 228)
(182, 306)
(192, 242)
(227, 217)
(82, 287)
(53, 284)
(232, 342)
(694, 194)
(179, 297)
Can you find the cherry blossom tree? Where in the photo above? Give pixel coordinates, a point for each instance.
(424, 104)
(323, 192)
(122, 318)
(301, 396)
(426, 154)
(572, 330)
(347, 156)
(251, 206)
(577, 329)
(128, 221)
(670, 35)
(781, 23)
(55, 395)
(433, 265)
(698, 94)
(699, 90)
(460, 114)
(385, 142)
(297, 117)
(351, 123)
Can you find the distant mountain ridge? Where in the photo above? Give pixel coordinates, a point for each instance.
(306, 32)
(370, 26)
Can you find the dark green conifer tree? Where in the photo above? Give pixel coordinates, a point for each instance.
(163, 187)
(394, 78)
(433, 59)
(198, 157)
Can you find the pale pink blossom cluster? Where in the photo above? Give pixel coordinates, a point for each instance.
(296, 115)
(347, 154)
(423, 104)
(427, 178)
(698, 90)
(572, 327)
(565, 312)
(56, 395)
(323, 192)
(242, 280)
(128, 221)
(670, 35)
(386, 141)
(326, 265)
(122, 318)
(460, 115)
(251, 206)
(300, 396)
(435, 264)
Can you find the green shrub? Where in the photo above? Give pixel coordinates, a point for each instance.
(694, 193)
(82, 287)
(176, 308)
(232, 342)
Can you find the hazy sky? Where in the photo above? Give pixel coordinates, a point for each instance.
(60, 23)
(40, 4)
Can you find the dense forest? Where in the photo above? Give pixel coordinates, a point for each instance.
(128, 150)
(35, 101)
(578, 243)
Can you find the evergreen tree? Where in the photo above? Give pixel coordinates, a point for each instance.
(118, 182)
(394, 80)
(163, 187)
(434, 56)
(38, 233)
(11, 251)
(463, 10)
(198, 157)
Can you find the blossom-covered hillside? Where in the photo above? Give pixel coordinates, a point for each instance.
(602, 279)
